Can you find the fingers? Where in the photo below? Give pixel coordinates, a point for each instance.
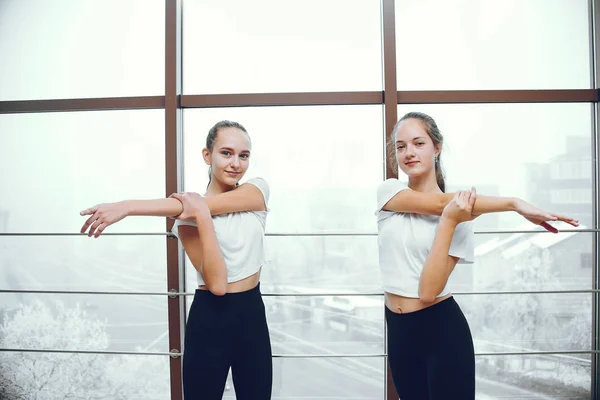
(548, 227)
(472, 197)
(100, 229)
(89, 211)
(568, 220)
(89, 221)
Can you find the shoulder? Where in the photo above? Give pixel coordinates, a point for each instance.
(387, 190)
(261, 184)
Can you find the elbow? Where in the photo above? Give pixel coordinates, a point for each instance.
(218, 290)
(427, 295)
(427, 298)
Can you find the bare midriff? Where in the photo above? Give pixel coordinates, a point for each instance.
(403, 305)
(241, 286)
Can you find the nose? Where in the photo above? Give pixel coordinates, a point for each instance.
(235, 162)
(409, 153)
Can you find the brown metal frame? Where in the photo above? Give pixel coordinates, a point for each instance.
(173, 126)
(173, 102)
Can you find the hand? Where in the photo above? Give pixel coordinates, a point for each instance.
(103, 215)
(193, 205)
(460, 208)
(539, 217)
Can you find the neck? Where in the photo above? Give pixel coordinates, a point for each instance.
(424, 183)
(217, 187)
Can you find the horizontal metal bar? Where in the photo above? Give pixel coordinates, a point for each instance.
(498, 96)
(281, 99)
(89, 104)
(281, 234)
(300, 99)
(105, 352)
(339, 294)
(379, 355)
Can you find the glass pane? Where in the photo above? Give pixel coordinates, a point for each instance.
(81, 49)
(326, 378)
(112, 263)
(84, 322)
(46, 376)
(508, 44)
(334, 325)
(529, 322)
(323, 164)
(236, 46)
(62, 163)
(523, 150)
(557, 376)
(527, 262)
(325, 264)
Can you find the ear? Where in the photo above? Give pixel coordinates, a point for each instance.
(207, 157)
(438, 150)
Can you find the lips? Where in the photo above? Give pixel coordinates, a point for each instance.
(232, 173)
(411, 163)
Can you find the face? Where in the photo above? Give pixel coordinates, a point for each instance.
(415, 151)
(230, 156)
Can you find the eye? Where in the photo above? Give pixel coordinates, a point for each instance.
(420, 143)
(399, 147)
(245, 156)
(226, 153)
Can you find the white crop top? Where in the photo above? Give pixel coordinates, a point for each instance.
(240, 236)
(405, 240)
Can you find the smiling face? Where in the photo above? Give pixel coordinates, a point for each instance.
(415, 149)
(229, 157)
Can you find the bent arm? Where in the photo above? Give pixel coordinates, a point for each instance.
(439, 265)
(201, 246)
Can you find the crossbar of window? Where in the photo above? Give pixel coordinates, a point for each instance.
(176, 354)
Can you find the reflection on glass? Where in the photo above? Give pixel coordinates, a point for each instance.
(76, 49)
(270, 46)
(554, 376)
(326, 378)
(84, 322)
(110, 263)
(529, 322)
(83, 376)
(508, 44)
(60, 163)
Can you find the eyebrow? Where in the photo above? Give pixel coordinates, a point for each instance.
(418, 137)
(230, 149)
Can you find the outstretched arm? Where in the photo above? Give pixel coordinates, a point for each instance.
(410, 201)
(246, 197)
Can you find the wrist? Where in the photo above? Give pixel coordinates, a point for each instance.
(202, 216)
(514, 203)
(448, 221)
(127, 207)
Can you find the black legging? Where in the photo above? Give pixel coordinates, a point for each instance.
(223, 332)
(431, 354)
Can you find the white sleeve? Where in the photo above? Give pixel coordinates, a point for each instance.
(263, 186)
(463, 243)
(178, 223)
(387, 190)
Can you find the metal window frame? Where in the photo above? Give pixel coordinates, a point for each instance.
(173, 102)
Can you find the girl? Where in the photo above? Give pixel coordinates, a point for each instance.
(223, 234)
(422, 234)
